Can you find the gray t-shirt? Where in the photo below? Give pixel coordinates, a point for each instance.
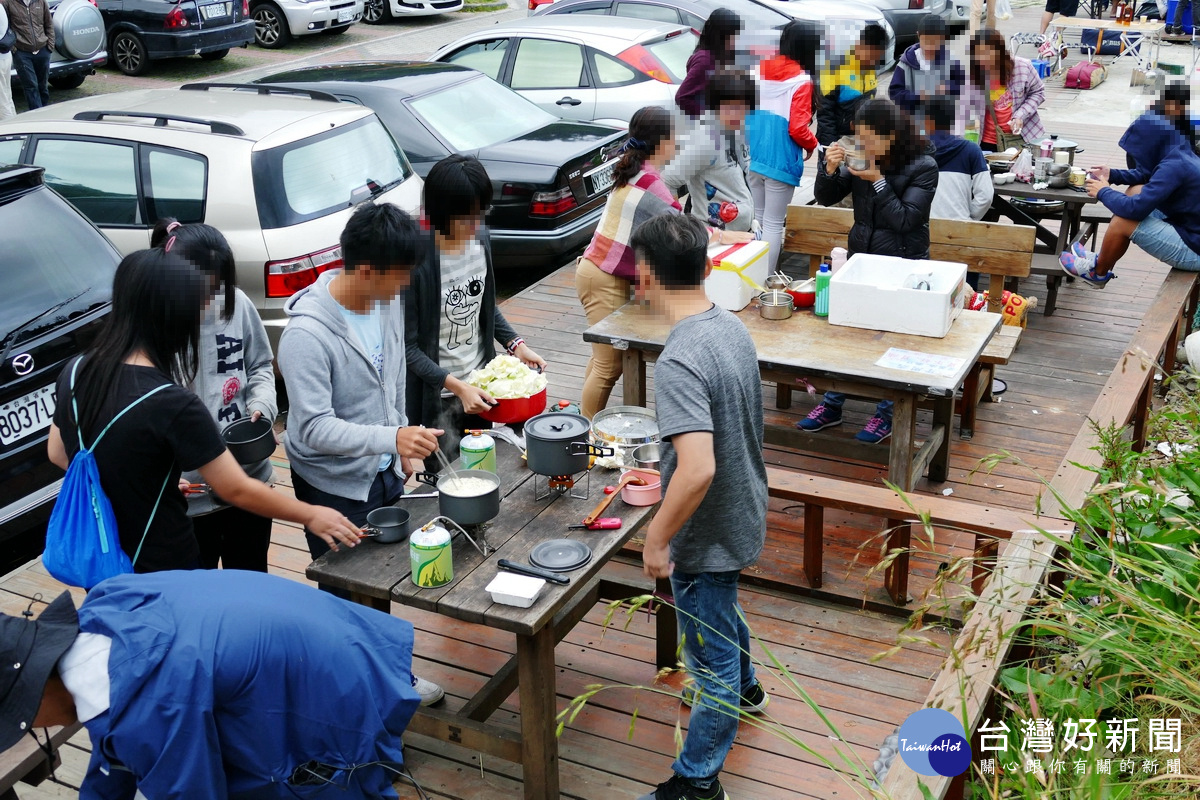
(707, 380)
(460, 344)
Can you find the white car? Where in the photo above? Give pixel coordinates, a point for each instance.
(378, 12)
(583, 67)
(276, 22)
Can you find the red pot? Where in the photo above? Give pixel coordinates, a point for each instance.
(803, 294)
(516, 410)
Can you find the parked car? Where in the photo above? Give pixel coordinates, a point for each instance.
(550, 176)
(51, 308)
(589, 68)
(79, 32)
(276, 22)
(141, 31)
(277, 171)
(762, 20)
(906, 15)
(378, 12)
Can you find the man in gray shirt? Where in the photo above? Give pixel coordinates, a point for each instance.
(713, 518)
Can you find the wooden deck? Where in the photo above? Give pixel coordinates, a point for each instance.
(827, 640)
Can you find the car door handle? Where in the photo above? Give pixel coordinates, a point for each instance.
(569, 101)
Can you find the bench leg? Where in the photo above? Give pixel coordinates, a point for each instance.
(1168, 358)
(814, 540)
(970, 401)
(895, 577)
(1141, 415)
(1052, 284)
(986, 550)
(986, 378)
(783, 396)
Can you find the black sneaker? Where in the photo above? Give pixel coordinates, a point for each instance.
(681, 789)
(754, 701)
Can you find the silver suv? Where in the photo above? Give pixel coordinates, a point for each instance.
(79, 43)
(276, 22)
(277, 171)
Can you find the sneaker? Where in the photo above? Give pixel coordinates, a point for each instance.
(754, 701)
(1084, 268)
(1079, 251)
(682, 789)
(876, 430)
(428, 691)
(820, 418)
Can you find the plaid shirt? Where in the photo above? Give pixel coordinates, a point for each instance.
(1027, 92)
(628, 206)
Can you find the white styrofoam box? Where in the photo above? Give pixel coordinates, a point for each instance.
(736, 268)
(877, 292)
(511, 589)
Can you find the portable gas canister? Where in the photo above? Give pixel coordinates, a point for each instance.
(477, 450)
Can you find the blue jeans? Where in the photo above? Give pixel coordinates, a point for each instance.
(716, 651)
(34, 71)
(1160, 239)
(835, 400)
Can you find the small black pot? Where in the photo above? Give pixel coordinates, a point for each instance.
(388, 524)
(557, 444)
(249, 441)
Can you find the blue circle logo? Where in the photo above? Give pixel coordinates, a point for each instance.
(933, 742)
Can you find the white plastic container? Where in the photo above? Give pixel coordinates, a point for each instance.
(884, 293)
(511, 589)
(736, 270)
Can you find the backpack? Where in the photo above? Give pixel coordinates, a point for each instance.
(82, 545)
(1085, 75)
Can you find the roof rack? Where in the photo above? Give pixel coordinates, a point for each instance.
(261, 88)
(161, 120)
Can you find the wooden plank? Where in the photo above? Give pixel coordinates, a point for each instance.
(448, 727)
(23, 760)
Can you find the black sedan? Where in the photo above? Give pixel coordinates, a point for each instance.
(551, 176)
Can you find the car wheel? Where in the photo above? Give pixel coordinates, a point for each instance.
(336, 31)
(215, 55)
(377, 12)
(270, 26)
(67, 81)
(129, 53)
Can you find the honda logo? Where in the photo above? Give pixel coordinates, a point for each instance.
(22, 364)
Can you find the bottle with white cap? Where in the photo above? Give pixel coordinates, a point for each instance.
(837, 258)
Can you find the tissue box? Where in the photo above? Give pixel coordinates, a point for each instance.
(515, 590)
(736, 270)
(879, 293)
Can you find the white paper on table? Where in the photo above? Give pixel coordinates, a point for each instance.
(923, 363)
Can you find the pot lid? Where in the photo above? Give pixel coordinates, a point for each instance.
(1064, 143)
(560, 555)
(624, 423)
(558, 427)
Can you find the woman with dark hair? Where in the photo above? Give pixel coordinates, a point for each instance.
(1002, 90)
(779, 131)
(893, 194)
(714, 50)
(149, 342)
(235, 380)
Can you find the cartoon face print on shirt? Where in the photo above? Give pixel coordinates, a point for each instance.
(462, 309)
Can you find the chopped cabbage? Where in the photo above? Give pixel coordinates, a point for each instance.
(506, 378)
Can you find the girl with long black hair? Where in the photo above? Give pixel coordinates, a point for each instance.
(714, 51)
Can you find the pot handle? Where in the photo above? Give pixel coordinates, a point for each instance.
(589, 449)
(427, 478)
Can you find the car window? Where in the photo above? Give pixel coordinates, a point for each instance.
(478, 113)
(647, 11)
(487, 57)
(313, 177)
(674, 52)
(600, 10)
(100, 178)
(177, 185)
(546, 64)
(611, 72)
(10, 149)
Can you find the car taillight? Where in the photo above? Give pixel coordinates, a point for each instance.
(245, 8)
(534, 5)
(175, 21)
(285, 278)
(643, 61)
(551, 204)
(916, 4)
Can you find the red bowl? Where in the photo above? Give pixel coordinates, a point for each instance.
(518, 409)
(803, 299)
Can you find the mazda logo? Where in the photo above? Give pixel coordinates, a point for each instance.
(22, 364)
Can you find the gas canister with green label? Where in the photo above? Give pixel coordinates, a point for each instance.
(477, 450)
(431, 554)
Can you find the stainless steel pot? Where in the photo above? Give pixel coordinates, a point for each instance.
(249, 441)
(472, 509)
(646, 456)
(624, 427)
(1069, 147)
(775, 305)
(387, 525)
(557, 444)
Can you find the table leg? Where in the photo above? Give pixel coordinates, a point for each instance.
(378, 603)
(633, 374)
(900, 457)
(539, 746)
(970, 402)
(943, 417)
(666, 628)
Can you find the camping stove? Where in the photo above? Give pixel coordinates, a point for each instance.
(575, 486)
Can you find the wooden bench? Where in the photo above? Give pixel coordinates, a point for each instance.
(26, 762)
(1001, 251)
(817, 493)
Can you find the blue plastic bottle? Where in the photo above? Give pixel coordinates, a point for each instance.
(821, 309)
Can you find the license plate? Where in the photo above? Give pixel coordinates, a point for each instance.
(600, 179)
(26, 415)
(346, 16)
(214, 10)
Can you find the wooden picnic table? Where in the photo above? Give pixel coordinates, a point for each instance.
(379, 574)
(1051, 243)
(806, 350)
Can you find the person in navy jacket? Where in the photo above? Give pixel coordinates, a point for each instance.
(926, 69)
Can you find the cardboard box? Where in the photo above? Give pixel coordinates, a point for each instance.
(736, 270)
(880, 293)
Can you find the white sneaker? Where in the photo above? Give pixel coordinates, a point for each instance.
(429, 691)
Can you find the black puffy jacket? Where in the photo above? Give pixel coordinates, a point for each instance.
(891, 222)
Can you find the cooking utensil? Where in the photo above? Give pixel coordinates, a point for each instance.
(249, 441)
(624, 426)
(1067, 145)
(775, 305)
(602, 524)
(469, 509)
(196, 489)
(556, 444)
(646, 493)
(803, 293)
(516, 409)
(444, 461)
(626, 479)
(533, 572)
(388, 524)
(777, 281)
(646, 456)
(560, 555)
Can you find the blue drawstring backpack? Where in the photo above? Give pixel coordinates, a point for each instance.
(82, 545)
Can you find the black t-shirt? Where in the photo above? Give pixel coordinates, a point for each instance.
(162, 436)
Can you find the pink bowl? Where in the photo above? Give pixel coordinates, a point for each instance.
(516, 410)
(646, 495)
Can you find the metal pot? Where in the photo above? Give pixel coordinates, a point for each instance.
(775, 305)
(249, 441)
(470, 510)
(557, 444)
(624, 427)
(646, 456)
(1069, 147)
(388, 524)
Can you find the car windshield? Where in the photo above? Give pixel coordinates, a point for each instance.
(478, 113)
(674, 52)
(313, 177)
(51, 262)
